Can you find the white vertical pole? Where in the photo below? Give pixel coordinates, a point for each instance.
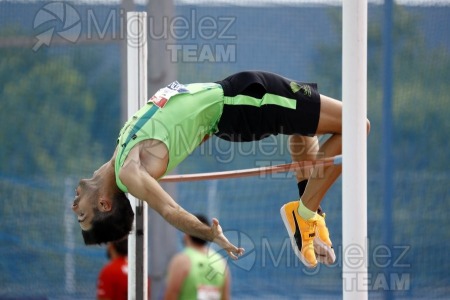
(354, 169)
(137, 97)
(125, 6)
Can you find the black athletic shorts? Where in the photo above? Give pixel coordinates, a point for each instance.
(259, 104)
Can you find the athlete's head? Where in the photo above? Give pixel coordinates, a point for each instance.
(117, 248)
(195, 240)
(103, 211)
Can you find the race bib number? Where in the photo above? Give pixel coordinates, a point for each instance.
(207, 292)
(163, 95)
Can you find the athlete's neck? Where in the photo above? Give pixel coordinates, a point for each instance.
(105, 179)
(200, 248)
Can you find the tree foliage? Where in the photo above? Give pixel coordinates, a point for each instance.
(46, 115)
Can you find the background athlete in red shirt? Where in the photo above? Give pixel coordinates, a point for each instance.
(113, 278)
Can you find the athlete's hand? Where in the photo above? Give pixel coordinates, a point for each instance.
(220, 239)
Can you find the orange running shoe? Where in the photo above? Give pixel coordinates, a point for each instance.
(323, 247)
(301, 233)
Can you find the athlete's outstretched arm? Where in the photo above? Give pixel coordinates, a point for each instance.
(143, 186)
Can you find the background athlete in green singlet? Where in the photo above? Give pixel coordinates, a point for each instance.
(197, 272)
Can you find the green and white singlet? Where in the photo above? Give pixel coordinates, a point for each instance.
(206, 277)
(179, 115)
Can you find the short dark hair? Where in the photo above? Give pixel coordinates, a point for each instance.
(112, 225)
(196, 240)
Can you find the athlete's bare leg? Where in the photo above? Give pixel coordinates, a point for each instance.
(303, 148)
(330, 122)
(321, 179)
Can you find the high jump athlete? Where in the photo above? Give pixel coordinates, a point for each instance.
(246, 106)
